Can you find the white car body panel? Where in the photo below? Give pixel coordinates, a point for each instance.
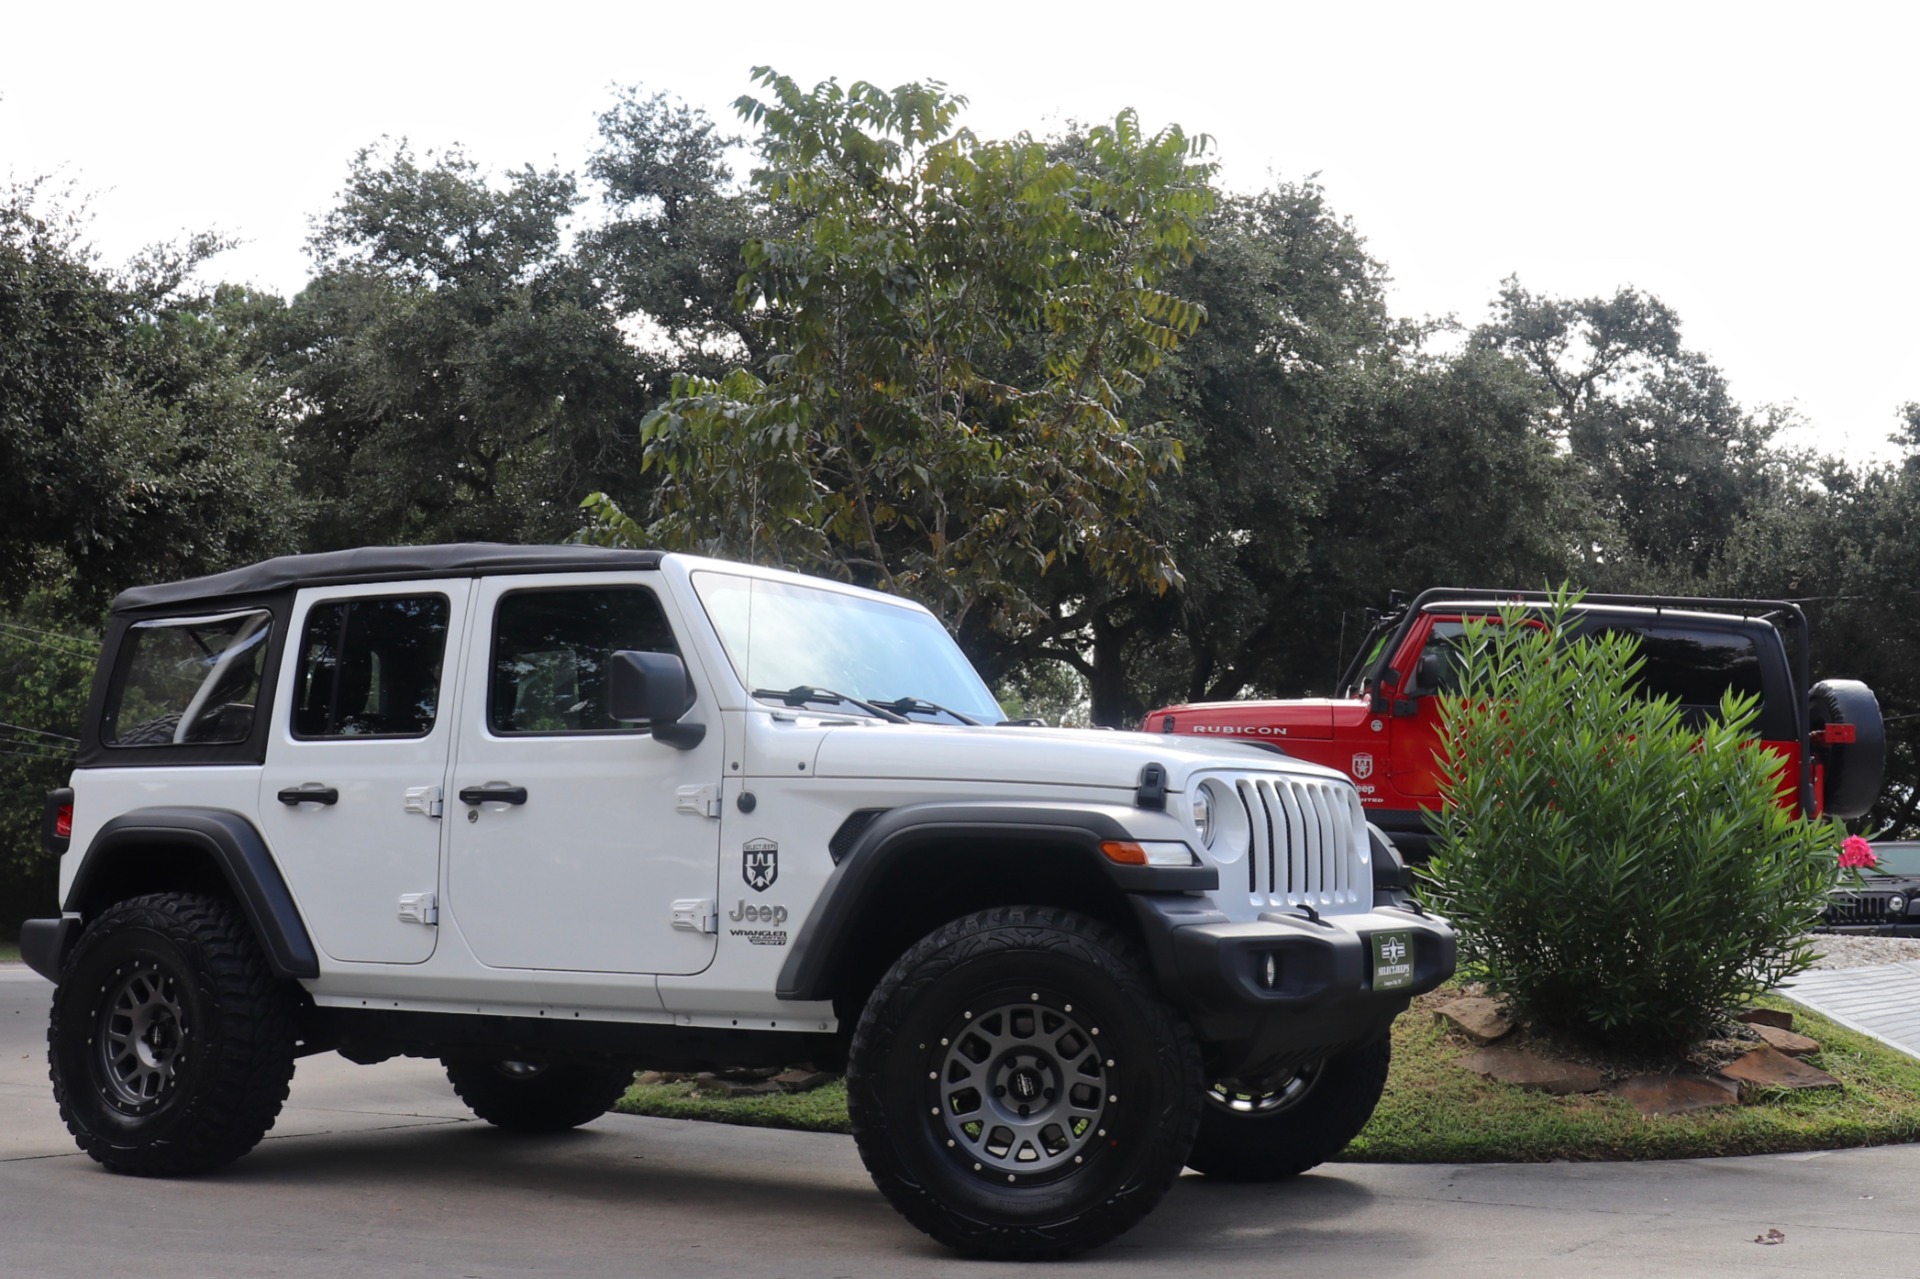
(562, 907)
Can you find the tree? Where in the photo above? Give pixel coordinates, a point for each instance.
(46, 670)
(674, 249)
(1296, 329)
(1845, 544)
(1672, 461)
(957, 328)
(137, 439)
(456, 374)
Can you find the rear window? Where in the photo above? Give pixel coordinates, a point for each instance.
(189, 681)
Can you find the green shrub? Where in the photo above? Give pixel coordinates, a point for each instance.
(1610, 867)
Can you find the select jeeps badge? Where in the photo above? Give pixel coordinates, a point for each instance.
(760, 864)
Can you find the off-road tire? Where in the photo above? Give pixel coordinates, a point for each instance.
(1242, 1140)
(157, 731)
(1854, 769)
(535, 1097)
(1042, 1004)
(171, 1043)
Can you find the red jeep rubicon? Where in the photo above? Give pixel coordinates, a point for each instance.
(1383, 728)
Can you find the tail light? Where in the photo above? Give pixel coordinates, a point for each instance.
(56, 829)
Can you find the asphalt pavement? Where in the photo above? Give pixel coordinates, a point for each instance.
(379, 1170)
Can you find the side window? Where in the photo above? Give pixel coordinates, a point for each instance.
(189, 681)
(550, 652)
(1441, 660)
(1694, 666)
(370, 667)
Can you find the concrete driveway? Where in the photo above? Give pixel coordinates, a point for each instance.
(378, 1170)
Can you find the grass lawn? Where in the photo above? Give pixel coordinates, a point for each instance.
(9, 952)
(1434, 1112)
(822, 1110)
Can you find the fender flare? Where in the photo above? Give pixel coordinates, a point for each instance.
(851, 889)
(230, 842)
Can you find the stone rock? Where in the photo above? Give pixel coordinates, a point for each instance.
(1767, 1017)
(1767, 1068)
(1523, 1069)
(664, 1077)
(1655, 1096)
(1786, 1041)
(720, 1085)
(1476, 1017)
(747, 1074)
(802, 1080)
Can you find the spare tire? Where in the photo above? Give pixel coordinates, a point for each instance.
(1853, 769)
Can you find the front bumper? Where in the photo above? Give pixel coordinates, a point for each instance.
(1322, 1000)
(1892, 928)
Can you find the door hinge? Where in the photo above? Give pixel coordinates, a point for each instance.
(419, 908)
(424, 800)
(696, 915)
(701, 801)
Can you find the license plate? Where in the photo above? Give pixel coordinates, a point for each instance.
(1392, 960)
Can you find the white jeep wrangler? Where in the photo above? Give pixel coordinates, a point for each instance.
(550, 814)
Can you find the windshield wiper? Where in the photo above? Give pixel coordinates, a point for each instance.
(921, 706)
(801, 694)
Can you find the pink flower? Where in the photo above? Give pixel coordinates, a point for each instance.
(1857, 854)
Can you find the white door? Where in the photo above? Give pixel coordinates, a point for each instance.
(581, 833)
(358, 761)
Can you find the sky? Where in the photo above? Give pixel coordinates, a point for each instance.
(1756, 166)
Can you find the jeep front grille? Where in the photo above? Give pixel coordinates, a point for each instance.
(1862, 908)
(1308, 842)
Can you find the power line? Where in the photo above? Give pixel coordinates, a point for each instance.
(47, 756)
(22, 728)
(35, 630)
(42, 638)
(33, 744)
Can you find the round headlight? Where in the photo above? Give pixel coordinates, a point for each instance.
(1220, 820)
(1896, 905)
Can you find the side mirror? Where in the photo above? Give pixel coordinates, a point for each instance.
(1430, 675)
(652, 688)
(1381, 702)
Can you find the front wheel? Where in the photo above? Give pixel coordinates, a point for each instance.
(171, 1043)
(531, 1096)
(1274, 1128)
(1016, 1087)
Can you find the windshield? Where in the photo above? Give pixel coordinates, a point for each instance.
(780, 635)
(1896, 857)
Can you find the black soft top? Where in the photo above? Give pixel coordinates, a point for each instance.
(384, 564)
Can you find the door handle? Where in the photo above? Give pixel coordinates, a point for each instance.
(310, 793)
(493, 794)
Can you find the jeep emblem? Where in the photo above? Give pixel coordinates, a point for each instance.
(760, 864)
(1362, 767)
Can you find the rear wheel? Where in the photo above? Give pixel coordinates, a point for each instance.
(171, 1043)
(1278, 1127)
(1016, 1087)
(531, 1096)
